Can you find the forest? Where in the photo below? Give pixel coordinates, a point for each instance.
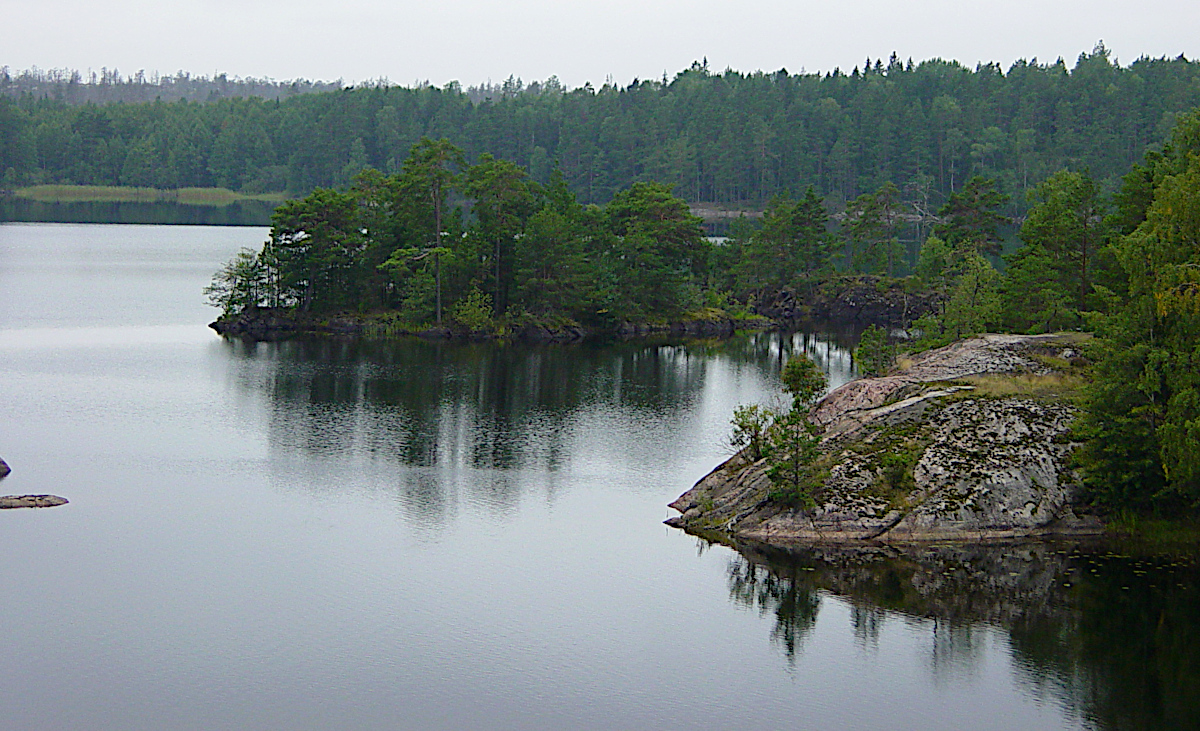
(727, 139)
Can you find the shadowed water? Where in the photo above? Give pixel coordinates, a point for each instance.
(339, 534)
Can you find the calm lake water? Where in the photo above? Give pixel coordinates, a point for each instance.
(395, 535)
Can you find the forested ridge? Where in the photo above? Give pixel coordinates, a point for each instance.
(728, 138)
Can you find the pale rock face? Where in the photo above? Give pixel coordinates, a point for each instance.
(31, 501)
(981, 468)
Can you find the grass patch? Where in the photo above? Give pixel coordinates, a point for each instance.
(1053, 386)
(1157, 532)
(1072, 337)
(125, 194)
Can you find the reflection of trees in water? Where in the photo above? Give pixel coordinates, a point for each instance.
(1113, 638)
(448, 408)
(793, 603)
(484, 405)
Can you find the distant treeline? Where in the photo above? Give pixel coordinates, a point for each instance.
(727, 138)
(108, 85)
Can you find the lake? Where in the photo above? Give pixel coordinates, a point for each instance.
(400, 534)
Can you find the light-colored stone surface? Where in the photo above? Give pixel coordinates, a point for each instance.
(980, 467)
(31, 501)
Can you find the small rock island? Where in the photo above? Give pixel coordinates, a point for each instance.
(27, 501)
(969, 442)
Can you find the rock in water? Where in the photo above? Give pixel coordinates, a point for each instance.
(31, 501)
(4, 468)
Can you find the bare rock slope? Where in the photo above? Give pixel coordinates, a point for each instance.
(966, 442)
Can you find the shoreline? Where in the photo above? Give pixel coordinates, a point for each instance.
(267, 324)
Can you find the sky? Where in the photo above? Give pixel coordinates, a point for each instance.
(472, 42)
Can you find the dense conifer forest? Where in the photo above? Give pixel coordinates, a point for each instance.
(726, 138)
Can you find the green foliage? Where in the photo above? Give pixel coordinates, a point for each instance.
(970, 218)
(474, 311)
(241, 283)
(1033, 298)
(392, 242)
(871, 229)
(792, 243)
(897, 470)
(751, 430)
(803, 379)
(874, 355)
(314, 249)
(725, 138)
(972, 305)
(1067, 221)
(1142, 410)
(933, 261)
(792, 457)
(505, 197)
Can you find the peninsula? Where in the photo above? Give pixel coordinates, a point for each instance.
(967, 442)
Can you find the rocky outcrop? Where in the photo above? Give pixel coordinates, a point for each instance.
(863, 300)
(4, 468)
(31, 501)
(269, 323)
(927, 453)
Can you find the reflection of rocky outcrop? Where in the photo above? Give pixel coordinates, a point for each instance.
(918, 455)
(960, 583)
(1113, 635)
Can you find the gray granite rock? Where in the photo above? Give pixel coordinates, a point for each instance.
(913, 457)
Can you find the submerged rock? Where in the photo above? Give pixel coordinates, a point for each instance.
(921, 454)
(31, 501)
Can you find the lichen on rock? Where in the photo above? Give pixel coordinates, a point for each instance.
(918, 455)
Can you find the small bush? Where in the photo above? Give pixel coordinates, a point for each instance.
(474, 311)
(874, 355)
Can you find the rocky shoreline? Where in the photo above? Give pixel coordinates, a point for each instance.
(865, 300)
(264, 323)
(970, 442)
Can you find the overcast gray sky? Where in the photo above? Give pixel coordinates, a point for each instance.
(472, 41)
